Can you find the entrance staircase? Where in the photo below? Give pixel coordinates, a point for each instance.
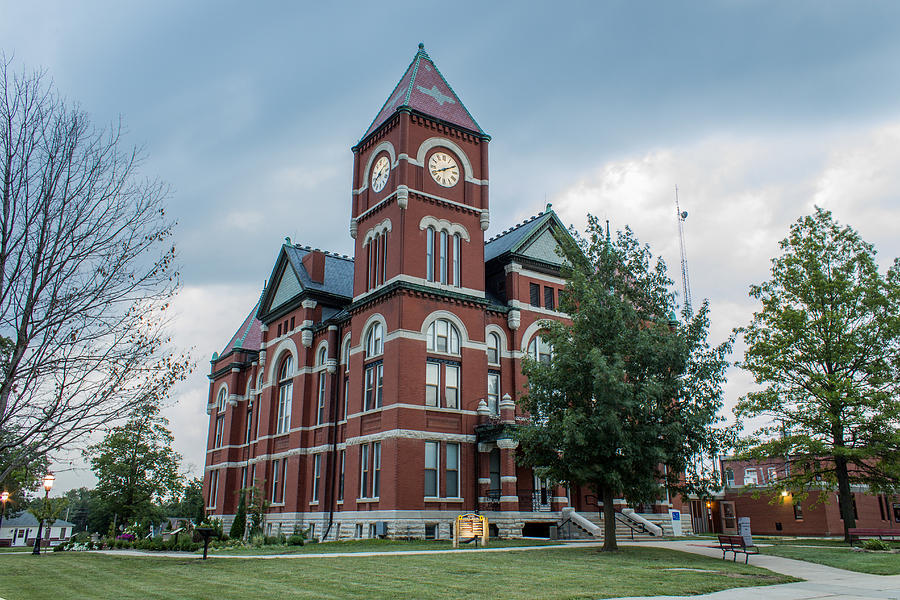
(575, 526)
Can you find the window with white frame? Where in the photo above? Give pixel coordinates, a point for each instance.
(222, 399)
(341, 480)
(375, 340)
(540, 349)
(451, 473)
(429, 254)
(363, 470)
(771, 474)
(432, 455)
(493, 349)
(442, 336)
(278, 481)
(345, 356)
(213, 488)
(443, 257)
(750, 477)
(493, 392)
(376, 469)
(373, 379)
(457, 281)
(442, 380)
(320, 416)
(285, 395)
(220, 431)
(249, 431)
(317, 473)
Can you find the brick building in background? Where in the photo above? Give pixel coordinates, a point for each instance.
(778, 512)
(374, 394)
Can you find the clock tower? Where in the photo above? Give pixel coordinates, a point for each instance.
(420, 189)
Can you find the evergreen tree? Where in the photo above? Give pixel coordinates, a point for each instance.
(240, 519)
(629, 394)
(825, 347)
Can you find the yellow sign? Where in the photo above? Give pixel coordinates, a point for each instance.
(470, 526)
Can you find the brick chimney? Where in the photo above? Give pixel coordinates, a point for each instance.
(314, 263)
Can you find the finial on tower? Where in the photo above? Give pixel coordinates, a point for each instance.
(421, 46)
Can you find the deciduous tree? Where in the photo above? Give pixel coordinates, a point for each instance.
(86, 274)
(135, 466)
(825, 349)
(630, 394)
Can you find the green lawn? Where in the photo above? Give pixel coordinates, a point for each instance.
(552, 574)
(842, 557)
(370, 545)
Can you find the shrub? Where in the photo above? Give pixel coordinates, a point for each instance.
(875, 544)
(296, 540)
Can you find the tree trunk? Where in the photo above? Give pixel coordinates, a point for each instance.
(845, 496)
(609, 522)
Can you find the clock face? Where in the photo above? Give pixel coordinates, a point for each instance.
(380, 173)
(443, 169)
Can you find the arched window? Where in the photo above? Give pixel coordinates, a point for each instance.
(259, 383)
(540, 349)
(221, 399)
(345, 356)
(321, 356)
(493, 349)
(456, 261)
(375, 340)
(443, 257)
(442, 336)
(373, 376)
(429, 254)
(285, 395)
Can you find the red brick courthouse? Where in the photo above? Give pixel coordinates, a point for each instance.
(372, 395)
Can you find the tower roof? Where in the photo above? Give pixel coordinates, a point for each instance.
(423, 89)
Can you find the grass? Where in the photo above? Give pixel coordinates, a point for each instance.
(552, 574)
(370, 545)
(841, 557)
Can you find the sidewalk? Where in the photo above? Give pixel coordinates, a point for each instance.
(821, 581)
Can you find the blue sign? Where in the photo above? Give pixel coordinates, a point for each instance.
(676, 516)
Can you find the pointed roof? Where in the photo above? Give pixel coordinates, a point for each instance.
(518, 239)
(249, 334)
(423, 89)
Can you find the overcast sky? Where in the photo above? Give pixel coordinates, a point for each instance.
(756, 110)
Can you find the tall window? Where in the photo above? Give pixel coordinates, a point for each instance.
(285, 395)
(317, 474)
(220, 430)
(451, 475)
(376, 468)
(443, 257)
(321, 411)
(534, 291)
(221, 399)
(432, 383)
(540, 349)
(456, 260)
(493, 399)
(375, 340)
(213, 488)
(376, 255)
(549, 299)
(429, 254)
(493, 349)
(373, 376)
(341, 480)
(277, 481)
(345, 356)
(750, 477)
(432, 451)
(374, 385)
(442, 336)
(363, 470)
(451, 386)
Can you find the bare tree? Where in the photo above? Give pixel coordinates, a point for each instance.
(86, 274)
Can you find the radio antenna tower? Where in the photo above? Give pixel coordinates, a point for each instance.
(685, 275)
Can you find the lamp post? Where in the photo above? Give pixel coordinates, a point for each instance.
(4, 498)
(48, 483)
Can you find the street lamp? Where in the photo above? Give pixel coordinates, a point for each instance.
(48, 483)
(4, 498)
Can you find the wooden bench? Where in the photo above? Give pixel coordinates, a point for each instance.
(735, 544)
(861, 533)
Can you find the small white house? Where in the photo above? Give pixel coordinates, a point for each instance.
(22, 529)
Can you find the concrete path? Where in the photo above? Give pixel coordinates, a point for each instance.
(821, 581)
